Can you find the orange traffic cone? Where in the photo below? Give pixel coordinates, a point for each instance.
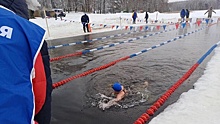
(89, 27)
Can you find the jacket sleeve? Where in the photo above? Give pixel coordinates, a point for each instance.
(44, 115)
(39, 84)
(88, 20)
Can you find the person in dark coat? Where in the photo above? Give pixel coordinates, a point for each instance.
(19, 7)
(209, 11)
(85, 22)
(187, 13)
(134, 16)
(182, 15)
(55, 16)
(146, 17)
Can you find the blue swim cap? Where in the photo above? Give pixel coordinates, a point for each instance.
(117, 87)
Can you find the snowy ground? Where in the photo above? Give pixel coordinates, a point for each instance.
(200, 105)
(68, 28)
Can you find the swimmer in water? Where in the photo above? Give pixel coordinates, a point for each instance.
(119, 91)
(118, 94)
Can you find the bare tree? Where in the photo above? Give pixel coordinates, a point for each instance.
(103, 6)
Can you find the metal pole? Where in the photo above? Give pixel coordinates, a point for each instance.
(48, 31)
(120, 22)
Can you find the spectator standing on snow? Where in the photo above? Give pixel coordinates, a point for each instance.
(85, 22)
(146, 17)
(61, 15)
(187, 13)
(134, 16)
(209, 11)
(25, 96)
(182, 15)
(55, 15)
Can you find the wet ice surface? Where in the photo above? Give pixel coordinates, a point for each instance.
(78, 101)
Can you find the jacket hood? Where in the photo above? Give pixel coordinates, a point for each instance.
(17, 6)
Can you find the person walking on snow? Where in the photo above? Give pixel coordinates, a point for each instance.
(85, 22)
(182, 15)
(187, 15)
(146, 17)
(134, 16)
(209, 11)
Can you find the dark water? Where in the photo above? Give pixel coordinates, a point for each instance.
(161, 67)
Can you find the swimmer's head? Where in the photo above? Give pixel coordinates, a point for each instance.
(117, 87)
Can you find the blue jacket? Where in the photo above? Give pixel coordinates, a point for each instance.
(134, 15)
(20, 8)
(182, 13)
(19, 49)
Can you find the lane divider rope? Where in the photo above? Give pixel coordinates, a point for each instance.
(126, 27)
(150, 112)
(62, 82)
(96, 39)
(107, 46)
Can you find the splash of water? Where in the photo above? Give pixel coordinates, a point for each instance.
(105, 102)
(135, 97)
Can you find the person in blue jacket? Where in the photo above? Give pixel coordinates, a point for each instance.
(134, 16)
(182, 15)
(22, 42)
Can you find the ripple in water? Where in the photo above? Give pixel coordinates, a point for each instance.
(137, 94)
